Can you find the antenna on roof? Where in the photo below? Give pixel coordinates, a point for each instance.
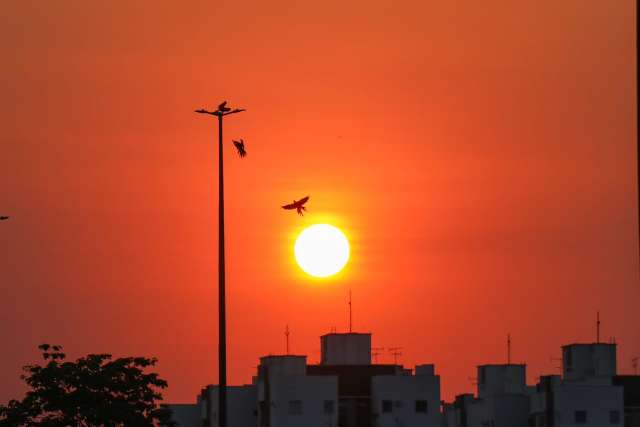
(350, 314)
(286, 334)
(508, 349)
(376, 352)
(634, 363)
(395, 352)
(598, 327)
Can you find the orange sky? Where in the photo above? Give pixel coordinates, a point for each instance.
(479, 155)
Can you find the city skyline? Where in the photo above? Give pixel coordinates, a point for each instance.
(348, 388)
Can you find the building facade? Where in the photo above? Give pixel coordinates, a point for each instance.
(344, 390)
(589, 393)
(502, 400)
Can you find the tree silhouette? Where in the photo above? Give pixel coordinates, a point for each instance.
(92, 391)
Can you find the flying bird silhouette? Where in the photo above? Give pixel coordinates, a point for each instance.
(297, 205)
(240, 147)
(3, 218)
(223, 107)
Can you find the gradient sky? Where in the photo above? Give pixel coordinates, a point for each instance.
(480, 156)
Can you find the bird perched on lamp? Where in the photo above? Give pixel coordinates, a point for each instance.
(223, 107)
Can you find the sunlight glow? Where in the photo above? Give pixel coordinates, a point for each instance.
(321, 250)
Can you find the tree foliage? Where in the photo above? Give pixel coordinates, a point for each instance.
(95, 390)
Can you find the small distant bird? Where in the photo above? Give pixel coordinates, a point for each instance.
(297, 205)
(3, 218)
(240, 147)
(223, 107)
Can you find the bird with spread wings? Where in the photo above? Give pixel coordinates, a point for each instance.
(297, 205)
(4, 218)
(240, 147)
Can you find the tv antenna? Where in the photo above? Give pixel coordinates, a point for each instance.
(350, 314)
(286, 334)
(395, 352)
(598, 327)
(508, 349)
(634, 363)
(376, 351)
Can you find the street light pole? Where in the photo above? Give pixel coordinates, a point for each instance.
(637, 115)
(222, 316)
(222, 111)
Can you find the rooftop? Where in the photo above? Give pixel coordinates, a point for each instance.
(590, 344)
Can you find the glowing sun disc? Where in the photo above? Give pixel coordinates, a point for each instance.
(321, 250)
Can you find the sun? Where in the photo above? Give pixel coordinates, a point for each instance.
(321, 250)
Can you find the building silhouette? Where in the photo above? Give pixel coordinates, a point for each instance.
(589, 393)
(346, 390)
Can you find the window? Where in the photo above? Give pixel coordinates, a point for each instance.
(580, 417)
(421, 406)
(387, 406)
(614, 417)
(398, 404)
(295, 407)
(329, 407)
